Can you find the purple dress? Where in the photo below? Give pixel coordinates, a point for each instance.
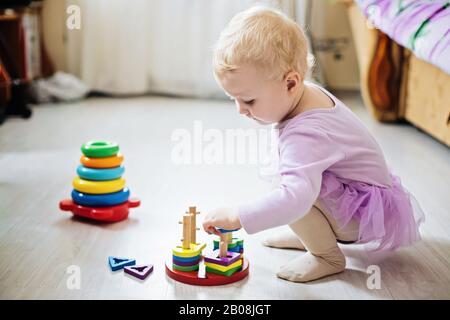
(328, 154)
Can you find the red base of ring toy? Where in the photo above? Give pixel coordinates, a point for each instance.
(106, 214)
(211, 279)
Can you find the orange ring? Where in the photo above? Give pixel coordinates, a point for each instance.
(106, 162)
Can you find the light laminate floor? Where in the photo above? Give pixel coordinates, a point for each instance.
(38, 242)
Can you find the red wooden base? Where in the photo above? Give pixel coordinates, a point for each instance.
(107, 214)
(211, 278)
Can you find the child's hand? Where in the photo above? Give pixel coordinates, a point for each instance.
(225, 218)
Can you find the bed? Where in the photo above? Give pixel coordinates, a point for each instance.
(403, 49)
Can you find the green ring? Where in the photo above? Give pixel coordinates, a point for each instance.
(185, 268)
(100, 149)
(228, 273)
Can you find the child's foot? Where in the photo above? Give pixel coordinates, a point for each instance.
(286, 240)
(309, 267)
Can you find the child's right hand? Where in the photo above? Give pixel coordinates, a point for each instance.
(224, 218)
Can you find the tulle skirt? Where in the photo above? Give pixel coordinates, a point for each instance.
(388, 217)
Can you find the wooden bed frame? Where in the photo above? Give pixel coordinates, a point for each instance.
(396, 85)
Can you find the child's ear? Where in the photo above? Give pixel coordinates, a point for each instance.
(292, 80)
(290, 84)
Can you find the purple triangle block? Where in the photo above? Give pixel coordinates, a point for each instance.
(140, 272)
(231, 257)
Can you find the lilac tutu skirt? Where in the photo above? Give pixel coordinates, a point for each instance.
(388, 217)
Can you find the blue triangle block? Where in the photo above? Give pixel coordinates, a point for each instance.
(117, 263)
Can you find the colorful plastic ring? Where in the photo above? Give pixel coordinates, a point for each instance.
(185, 269)
(100, 174)
(186, 264)
(108, 162)
(226, 230)
(98, 187)
(191, 259)
(99, 149)
(100, 200)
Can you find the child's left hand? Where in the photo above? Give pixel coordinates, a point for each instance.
(225, 218)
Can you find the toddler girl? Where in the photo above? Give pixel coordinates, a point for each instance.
(335, 184)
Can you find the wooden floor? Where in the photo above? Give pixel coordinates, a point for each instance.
(38, 158)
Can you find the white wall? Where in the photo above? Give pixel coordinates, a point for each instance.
(53, 17)
(329, 21)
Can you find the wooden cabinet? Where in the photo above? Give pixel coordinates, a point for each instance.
(22, 57)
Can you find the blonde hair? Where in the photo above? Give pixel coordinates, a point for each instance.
(262, 37)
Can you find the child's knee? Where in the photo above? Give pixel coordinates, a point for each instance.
(347, 234)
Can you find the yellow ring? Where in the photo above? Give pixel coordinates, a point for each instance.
(195, 250)
(106, 162)
(224, 268)
(98, 187)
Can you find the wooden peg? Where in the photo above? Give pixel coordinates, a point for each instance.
(193, 210)
(193, 215)
(193, 229)
(187, 232)
(229, 237)
(223, 249)
(223, 245)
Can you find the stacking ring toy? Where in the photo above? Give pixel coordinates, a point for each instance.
(100, 200)
(99, 149)
(107, 162)
(211, 280)
(98, 187)
(107, 214)
(100, 174)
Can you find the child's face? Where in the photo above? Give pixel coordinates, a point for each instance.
(265, 101)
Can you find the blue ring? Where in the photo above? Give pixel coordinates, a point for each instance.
(225, 230)
(100, 200)
(181, 259)
(100, 174)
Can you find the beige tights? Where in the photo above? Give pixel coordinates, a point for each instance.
(316, 232)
